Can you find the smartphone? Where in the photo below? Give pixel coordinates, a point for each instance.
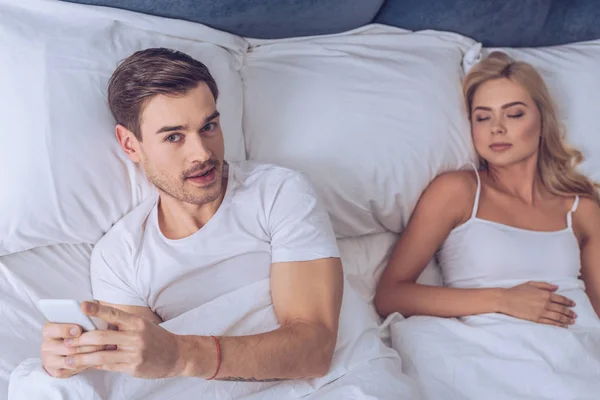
(66, 311)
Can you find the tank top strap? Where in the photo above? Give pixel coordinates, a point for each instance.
(569, 218)
(476, 203)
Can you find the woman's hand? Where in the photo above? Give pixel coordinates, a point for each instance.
(537, 302)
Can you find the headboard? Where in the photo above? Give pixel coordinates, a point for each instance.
(514, 23)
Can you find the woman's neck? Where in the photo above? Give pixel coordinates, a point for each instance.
(520, 180)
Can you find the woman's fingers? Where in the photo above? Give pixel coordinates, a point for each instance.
(558, 299)
(558, 317)
(566, 311)
(551, 322)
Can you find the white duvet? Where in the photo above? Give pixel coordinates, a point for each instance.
(494, 356)
(369, 369)
(363, 367)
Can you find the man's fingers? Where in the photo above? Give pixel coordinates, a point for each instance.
(112, 327)
(101, 338)
(61, 373)
(59, 331)
(97, 358)
(543, 285)
(57, 362)
(57, 347)
(111, 315)
(557, 298)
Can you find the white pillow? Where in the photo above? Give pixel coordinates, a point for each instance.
(64, 177)
(371, 116)
(572, 74)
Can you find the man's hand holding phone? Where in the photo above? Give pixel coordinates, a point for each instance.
(55, 352)
(66, 321)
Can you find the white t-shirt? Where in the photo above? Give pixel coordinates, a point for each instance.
(269, 214)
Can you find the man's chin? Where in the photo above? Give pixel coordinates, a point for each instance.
(204, 195)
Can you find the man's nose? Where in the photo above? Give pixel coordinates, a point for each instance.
(197, 151)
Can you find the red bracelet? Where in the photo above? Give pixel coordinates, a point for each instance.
(218, 345)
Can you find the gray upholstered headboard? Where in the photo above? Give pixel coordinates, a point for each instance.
(514, 23)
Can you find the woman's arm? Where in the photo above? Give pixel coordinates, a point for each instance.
(586, 220)
(445, 204)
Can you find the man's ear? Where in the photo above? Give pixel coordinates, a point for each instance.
(129, 143)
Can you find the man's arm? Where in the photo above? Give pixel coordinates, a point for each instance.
(307, 299)
(306, 289)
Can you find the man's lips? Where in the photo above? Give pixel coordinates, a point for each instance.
(202, 173)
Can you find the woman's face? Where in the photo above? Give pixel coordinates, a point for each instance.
(505, 123)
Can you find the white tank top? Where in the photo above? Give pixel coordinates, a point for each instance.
(482, 253)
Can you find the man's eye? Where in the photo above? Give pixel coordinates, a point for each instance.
(173, 138)
(209, 127)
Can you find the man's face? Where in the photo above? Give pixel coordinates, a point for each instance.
(182, 147)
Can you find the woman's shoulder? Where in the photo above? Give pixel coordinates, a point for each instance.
(586, 218)
(460, 183)
(454, 192)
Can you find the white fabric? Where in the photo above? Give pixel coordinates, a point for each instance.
(364, 259)
(64, 177)
(359, 355)
(267, 210)
(269, 214)
(499, 355)
(475, 254)
(63, 272)
(370, 116)
(376, 374)
(378, 379)
(45, 272)
(571, 74)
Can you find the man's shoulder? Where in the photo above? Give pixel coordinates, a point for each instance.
(264, 174)
(121, 238)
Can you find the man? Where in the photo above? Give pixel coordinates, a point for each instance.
(230, 273)
(213, 227)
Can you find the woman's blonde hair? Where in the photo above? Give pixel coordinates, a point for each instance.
(556, 160)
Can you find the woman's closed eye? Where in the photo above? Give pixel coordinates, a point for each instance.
(516, 115)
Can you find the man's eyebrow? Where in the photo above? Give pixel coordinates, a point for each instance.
(211, 117)
(172, 128)
(185, 127)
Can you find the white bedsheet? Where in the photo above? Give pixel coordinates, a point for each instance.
(497, 357)
(54, 271)
(62, 271)
(376, 379)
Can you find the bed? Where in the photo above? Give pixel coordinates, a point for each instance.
(380, 80)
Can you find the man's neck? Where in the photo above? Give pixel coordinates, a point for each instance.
(178, 219)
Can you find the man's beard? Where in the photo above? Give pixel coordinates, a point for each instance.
(202, 196)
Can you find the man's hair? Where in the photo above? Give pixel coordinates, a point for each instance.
(150, 72)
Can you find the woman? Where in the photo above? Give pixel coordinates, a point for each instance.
(516, 242)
